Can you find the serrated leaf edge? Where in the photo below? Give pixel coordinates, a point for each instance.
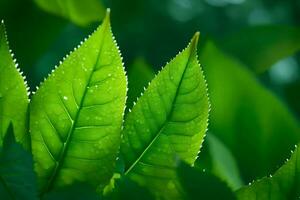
(20, 72)
(206, 88)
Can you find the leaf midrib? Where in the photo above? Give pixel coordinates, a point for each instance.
(168, 117)
(59, 162)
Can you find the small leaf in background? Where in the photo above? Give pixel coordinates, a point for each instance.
(169, 118)
(79, 12)
(139, 75)
(221, 162)
(203, 185)
(283, 185)
(76, 115)
(13, 94)
(17, 178)
(262, 46)
(246, 117)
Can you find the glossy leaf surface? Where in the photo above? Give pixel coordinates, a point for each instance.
(76, 115)
(169, 119)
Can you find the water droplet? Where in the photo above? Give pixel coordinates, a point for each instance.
(65, 98)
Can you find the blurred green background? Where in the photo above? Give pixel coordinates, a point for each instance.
(248, 50)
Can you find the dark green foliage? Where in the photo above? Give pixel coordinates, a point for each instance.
(127, 189)
(139, 75)
(262, 46)
(78, 191)
(17, 178)
(283, 185)
(198, 184)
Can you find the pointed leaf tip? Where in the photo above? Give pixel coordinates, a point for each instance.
(159, 141)
(108, 11)
(194, 41)
(107, 16)
(196, 37)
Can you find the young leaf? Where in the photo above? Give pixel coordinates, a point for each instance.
(79, 12)
(13, 94)
(283, 185)
(202, 185)
(17, 178)
(76, 115)
(254, 125)
(170, 118)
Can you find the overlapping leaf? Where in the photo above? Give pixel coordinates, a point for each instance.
(217, 158)
(79, 12)
(128, 189)
(202, 185)
(246, 117)
(76, 115)
(169, 119)
(17, 178)
(13, 94)
(283, 185)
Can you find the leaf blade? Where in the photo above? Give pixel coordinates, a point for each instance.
(284, 184)
(72, 137)
(13, 94)
(151, 129)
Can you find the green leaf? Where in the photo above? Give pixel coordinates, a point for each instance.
(17, 178)
(283, 185)
(203, 185)
(80, 12)
(262, 46)
(221, 162)
(139, 75)
(169, 119)
(246, 116)
(13, 94)
(76, 115)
